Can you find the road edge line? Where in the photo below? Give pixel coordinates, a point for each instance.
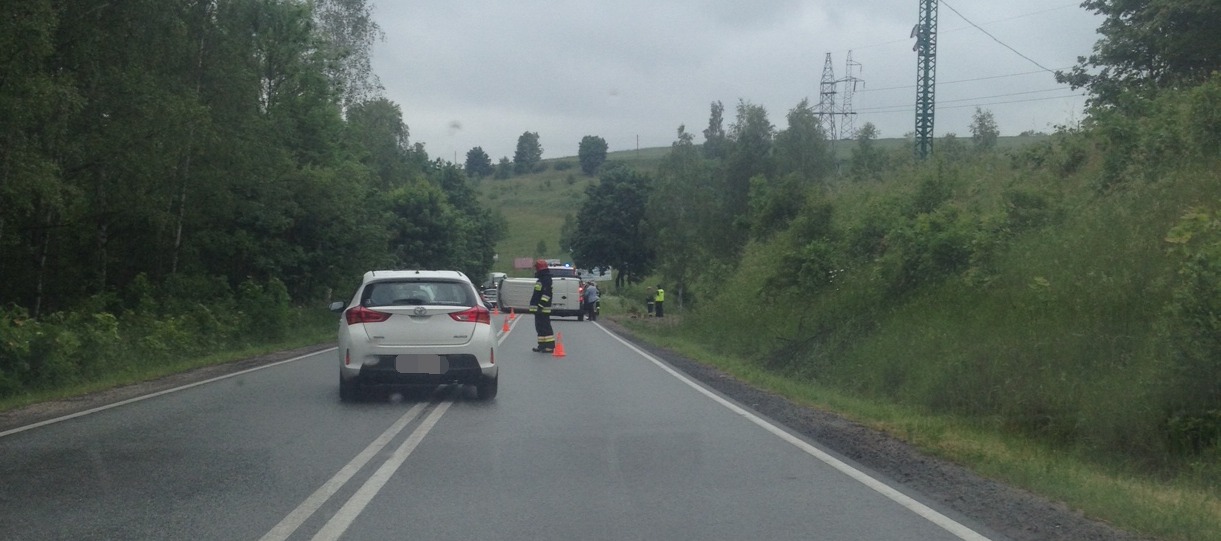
(91, 411)
(946, 523)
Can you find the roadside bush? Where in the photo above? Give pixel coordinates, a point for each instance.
(265, 309)
(1194, 332)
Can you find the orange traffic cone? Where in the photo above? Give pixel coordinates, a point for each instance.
(505, 327)
(559, 346)
(496, 310)
(512, 315)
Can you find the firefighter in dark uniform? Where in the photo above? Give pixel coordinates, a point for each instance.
(540, 306)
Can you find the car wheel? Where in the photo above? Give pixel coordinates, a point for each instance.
(486, 389)
(349, 390)
(580, 317)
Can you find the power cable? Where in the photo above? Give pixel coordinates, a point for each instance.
(907, 87)
(994, 38)
(907, 109)
(908, 40)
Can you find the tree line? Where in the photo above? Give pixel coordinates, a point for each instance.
(239, 139)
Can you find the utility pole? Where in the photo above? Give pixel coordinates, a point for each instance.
(925, 33)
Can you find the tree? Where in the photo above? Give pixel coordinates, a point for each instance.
(751, 137)
(592, 153)
(867, 159)
(478, 163)
(376, 128)
(348, 29)
(529, 153)
(715, 142)
(504, 168)
(611, 228)
(1148, 45)
(681, 207)
(802, 149)
(984, 132)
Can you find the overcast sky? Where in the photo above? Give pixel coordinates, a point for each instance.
(470, 73)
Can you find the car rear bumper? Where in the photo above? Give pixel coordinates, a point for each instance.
(458, 368)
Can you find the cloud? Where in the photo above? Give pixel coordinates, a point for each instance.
(472, 73)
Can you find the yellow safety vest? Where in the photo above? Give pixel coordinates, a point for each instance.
(661, 296)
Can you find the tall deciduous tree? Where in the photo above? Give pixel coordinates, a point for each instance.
(591, 153)
(349, 32)
(529, 153)
(682, 209)
(750, 156)
(1148, 44)
(716, 143)
(867, 159)
(611, 228)
(380, 138)
(802, 149)
(984, 131)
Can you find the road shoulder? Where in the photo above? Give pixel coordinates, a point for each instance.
(1015, 513)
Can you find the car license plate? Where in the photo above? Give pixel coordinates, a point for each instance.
(418, 364)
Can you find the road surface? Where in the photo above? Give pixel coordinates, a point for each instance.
(606, 442)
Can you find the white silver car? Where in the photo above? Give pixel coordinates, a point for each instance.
(416, 327)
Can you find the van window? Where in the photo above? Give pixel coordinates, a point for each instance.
(563, 272)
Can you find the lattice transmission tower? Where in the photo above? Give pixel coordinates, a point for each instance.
(847, 128)
(826, 102)
(925, 33)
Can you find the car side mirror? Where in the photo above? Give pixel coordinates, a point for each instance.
(337, 306)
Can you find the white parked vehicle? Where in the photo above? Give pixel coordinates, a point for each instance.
(416, 327)
(566, 290)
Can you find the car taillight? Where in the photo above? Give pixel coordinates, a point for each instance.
(477, 314)
(360, 314)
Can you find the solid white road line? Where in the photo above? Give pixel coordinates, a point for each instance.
(357, 503)
(311, 504)
(156, 394)
(914, 506)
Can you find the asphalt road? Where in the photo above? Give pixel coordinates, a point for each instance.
(606, 442)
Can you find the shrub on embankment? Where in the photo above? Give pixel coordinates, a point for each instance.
(146, 330)
(1069, 291)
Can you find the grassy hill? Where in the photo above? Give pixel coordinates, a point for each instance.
(536, 204)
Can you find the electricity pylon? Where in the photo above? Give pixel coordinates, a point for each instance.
(826, 102)
(847, 128)
(925, 33)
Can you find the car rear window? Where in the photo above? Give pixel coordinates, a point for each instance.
(417, 292)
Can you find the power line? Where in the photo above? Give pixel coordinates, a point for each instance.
(994, 38)
(908, 40)
(907, 87)
(891, 109)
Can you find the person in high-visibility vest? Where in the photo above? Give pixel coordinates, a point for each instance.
(540, 306)
(659, 300)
